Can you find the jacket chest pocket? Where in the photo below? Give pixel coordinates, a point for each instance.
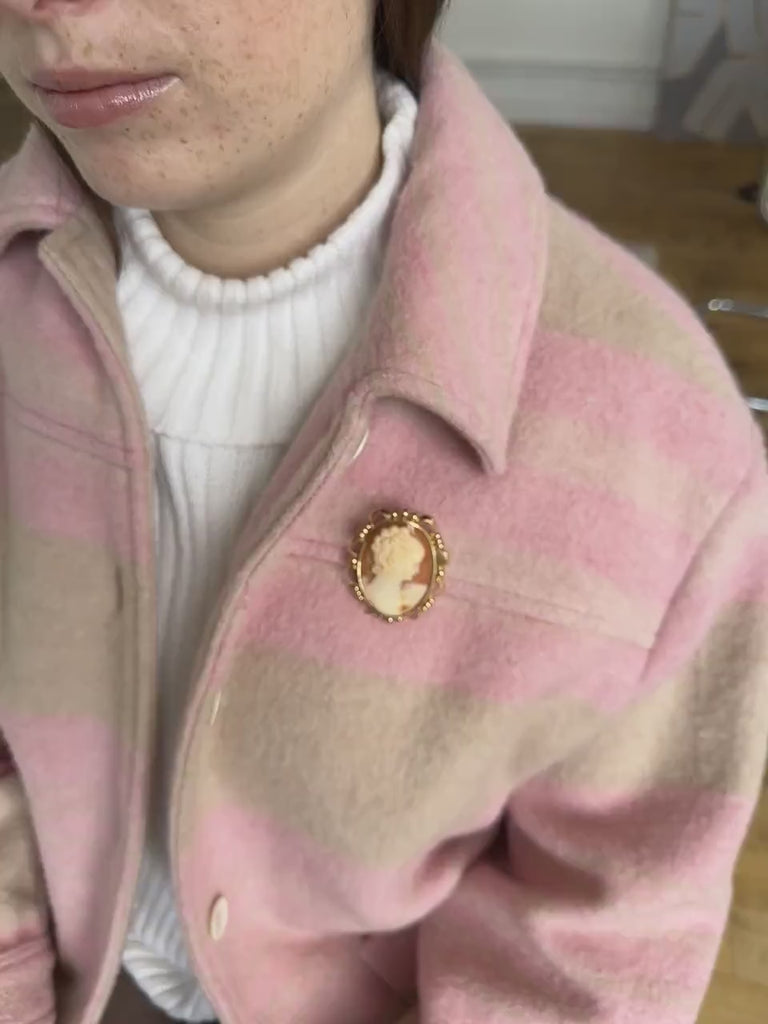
(380, 739)
(68, 576)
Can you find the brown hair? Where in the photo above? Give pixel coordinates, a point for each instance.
(403, 30)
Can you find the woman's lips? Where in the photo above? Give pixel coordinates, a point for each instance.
(94, 107)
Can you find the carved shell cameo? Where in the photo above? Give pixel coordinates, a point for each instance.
(398, 565)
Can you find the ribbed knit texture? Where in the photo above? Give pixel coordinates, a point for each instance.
(227, 369)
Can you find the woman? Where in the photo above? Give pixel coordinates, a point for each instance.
(276, 282)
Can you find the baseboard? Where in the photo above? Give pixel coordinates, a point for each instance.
(578, 95)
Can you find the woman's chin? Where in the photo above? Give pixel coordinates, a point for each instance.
(150, 184)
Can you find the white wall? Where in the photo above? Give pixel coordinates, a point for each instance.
(582, 62)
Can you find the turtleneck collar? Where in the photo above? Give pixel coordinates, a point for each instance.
(142, 241)
(240, 362)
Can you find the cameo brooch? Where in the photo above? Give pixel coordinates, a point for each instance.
(398, 565)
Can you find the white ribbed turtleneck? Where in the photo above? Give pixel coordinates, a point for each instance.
(227, 369)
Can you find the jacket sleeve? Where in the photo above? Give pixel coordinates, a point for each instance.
(607, 900)
(26, 954)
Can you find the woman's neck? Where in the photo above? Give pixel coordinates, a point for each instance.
(264, 224)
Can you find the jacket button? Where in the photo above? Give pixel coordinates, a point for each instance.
(217, 922)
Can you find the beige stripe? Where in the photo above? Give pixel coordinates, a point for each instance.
(372, 769)
(65, 628)
(532, 585)
(630, 469)
(742, 532)
(524, 582)
(705, 728)
(22, 893)
(589, 295)
(84, 254)
(34, 371)
(555, 591)
(379, 771)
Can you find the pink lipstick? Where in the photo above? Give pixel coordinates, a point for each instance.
(89, 99)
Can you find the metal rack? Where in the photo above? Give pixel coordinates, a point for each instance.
(733, 307)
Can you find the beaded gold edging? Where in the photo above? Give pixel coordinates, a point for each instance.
(425, 526)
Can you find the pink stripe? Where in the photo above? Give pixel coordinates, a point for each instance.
(638, 400)
(484, 653)
(44, 343)
(296, 902)
(291, 886)
(67, 765)
(527, 511)
(664, 296)
(64, 493)
(45, 315)
(741, 586)
(676, 961)
(589, 529)
(614, 910)
(630, 846)
(485, 952)
(293, 945)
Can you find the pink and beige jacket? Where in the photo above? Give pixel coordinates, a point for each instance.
(522, 807)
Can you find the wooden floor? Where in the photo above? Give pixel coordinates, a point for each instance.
(739, 990)
(680, 201)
